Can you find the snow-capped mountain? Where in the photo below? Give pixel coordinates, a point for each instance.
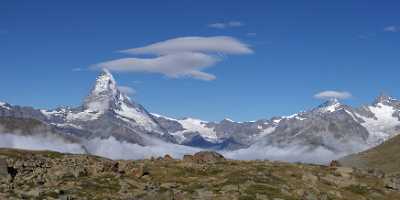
(226, 134)
(105, 112)
(108, 115)
(106, 97)
(381, 119)
(332, 127)
(183, 128)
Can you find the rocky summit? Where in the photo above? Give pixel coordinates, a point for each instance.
(205, 175)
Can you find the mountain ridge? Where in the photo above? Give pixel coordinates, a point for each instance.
(108, 114)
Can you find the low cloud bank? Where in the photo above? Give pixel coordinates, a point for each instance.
(290, 154)
(39, 142)
(110, 147)
(114, 149)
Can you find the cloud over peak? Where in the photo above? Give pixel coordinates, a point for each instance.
(179, 57)
(331, 94)
(216, 44)
(222, 25)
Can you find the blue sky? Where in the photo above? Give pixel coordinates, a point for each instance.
(299, 48)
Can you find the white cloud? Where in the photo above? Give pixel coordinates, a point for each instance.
(217, 25)
(330, 94)
(173, 65)
(77, 69)
(235, 24)
(217, 44)
(127, 90)
(114, 149)
(39, 142)
(392, 29)
(179, 57)
(222, 25)
(319, 155)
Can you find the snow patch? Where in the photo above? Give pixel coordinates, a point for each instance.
(196, 125)
(331, 108)
(383, 127)
(85, 115)
(50, 113)
(276, 121)
(138, 116)
(162, 116)
(294, 116)
(4, 105)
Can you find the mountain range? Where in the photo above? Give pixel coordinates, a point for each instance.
(109, 123)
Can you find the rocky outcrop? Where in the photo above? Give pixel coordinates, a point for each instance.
(205, 175)
(207, 157)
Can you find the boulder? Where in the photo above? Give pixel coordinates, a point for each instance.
(393, 182)
(207, 157)
(167, 157)
(334, 164)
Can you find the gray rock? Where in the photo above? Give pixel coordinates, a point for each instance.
(3, 169)
(393, 182)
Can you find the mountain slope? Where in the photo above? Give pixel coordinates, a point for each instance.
(385, 157)
(327, 132)
(110, 118)
(226, 134)
(331, 129)
(108, 112)
(381, 119)
(330, 125)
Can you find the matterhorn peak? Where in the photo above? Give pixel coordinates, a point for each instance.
(104, 94)
(105, 82)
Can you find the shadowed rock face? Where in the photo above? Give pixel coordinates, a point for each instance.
(46, 175)
(8, 110)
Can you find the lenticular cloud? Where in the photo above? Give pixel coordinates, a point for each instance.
(178, 57)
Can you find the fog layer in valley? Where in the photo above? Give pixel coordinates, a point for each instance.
(114, 149)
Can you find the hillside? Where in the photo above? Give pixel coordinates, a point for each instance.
(385, 157)
(206, 175)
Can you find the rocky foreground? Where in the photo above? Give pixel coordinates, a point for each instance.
(206, 175)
